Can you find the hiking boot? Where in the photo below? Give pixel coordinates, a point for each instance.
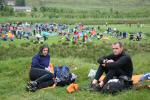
(28, 88)
(95, 87)
(31, 86)
(31, 89)
(32, 83)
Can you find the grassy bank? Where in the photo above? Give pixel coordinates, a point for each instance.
(14, 75)
(87, 21)
(83, 11)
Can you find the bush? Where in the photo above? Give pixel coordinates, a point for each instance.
(89, 51)
(7, 11)
(35, 9)
(27, 44)
(20, 14)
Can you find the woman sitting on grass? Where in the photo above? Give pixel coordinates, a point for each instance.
(40, 74)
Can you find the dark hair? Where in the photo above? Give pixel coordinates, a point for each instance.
(42, 47)
(120, 44)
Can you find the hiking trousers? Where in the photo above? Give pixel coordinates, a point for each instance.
(110, 73)
(42, 77)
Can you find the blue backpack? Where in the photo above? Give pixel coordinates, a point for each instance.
(63, 75)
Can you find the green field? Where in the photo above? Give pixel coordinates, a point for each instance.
(15, 59)
(84, 11)
(99, 4)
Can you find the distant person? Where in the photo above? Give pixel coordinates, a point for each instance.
(139, 36)
(124, 34)
(131, 37)
(40, 74)
(98, 28)
(114, 65)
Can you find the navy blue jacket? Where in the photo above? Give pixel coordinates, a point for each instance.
(40, 61)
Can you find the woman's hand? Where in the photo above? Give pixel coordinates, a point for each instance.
(47, 68)
(50, 69)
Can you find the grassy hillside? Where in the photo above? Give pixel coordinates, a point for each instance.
(95, 8)
(99, 4)
(85, 11)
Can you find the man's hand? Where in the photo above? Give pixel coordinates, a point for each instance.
(103, 65)
(101, 83)
(94, 81)
(106, 61)
(110, 61)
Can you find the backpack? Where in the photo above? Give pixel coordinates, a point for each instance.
(114, 86)
(63, 75)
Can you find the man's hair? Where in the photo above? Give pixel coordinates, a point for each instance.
(120, 44)
(42, 47)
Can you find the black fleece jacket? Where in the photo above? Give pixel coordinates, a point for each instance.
(122, 61)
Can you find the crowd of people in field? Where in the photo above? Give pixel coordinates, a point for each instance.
(75, 33)
(37, 31)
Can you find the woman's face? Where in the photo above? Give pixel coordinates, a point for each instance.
(45, 51)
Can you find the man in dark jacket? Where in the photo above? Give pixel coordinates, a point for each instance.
(114, 65)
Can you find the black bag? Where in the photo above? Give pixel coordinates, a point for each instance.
(113, 86)
(116, 85)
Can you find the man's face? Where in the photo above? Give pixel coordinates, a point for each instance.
(45, 51)
(117, 49)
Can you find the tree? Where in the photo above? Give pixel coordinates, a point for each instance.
(7, 11)
(35, 9)
(1, 5)
(20, 3)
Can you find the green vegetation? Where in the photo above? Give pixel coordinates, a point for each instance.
(7, 11)
(86, 11)
(14, 75)
(20, 2)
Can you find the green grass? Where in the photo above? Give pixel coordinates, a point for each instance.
(141, 62)
(125, 27)
(94, 9)
(106, 4)
(14, 75)
(3, 19)
(72, 21)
